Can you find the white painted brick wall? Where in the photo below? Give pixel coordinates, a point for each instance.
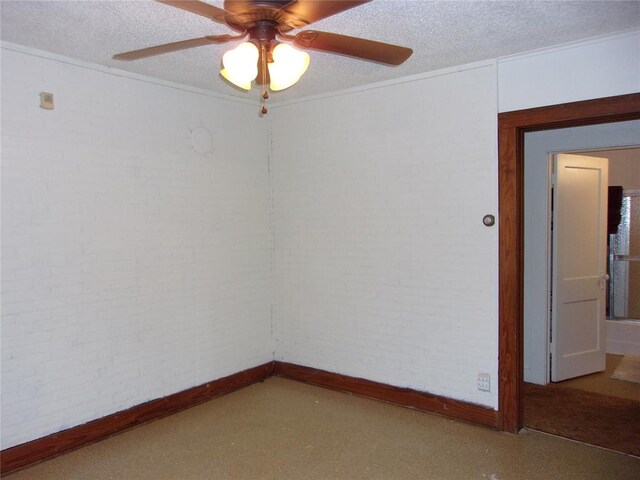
(383, 267)
(132, 267)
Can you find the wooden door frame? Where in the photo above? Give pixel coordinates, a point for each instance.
(512, 127)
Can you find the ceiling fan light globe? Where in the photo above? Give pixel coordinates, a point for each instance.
(277, 83)
(289, 64)
(245, 85)
(241, 65)
(294, 59)
(280, 77)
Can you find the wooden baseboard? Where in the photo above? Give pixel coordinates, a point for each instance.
(405, 397)
(61, 442)
(58, 443)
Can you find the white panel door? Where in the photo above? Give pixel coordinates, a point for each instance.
(579, 266)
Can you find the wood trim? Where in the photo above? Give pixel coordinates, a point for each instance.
(511, 129)
(61, 442)
(23, 455)
(396, 395)
(510, 286)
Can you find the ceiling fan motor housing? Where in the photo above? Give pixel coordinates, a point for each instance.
(264, 31)
(247, 14)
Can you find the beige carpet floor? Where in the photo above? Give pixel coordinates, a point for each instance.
(281, 429)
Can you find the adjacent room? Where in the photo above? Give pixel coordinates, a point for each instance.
(315, 239)
(588, 394)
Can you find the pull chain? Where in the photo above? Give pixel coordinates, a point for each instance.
(265, 94)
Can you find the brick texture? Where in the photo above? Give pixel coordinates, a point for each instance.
(132, 266)
(383, 267)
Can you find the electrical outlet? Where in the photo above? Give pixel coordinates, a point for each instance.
(484, 382)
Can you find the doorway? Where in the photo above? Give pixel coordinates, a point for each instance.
(512, 127)
(587, 401)
(537, 225)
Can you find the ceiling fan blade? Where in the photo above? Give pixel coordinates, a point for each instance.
(304, 12)
(351, 46)
(175, 46)
(201, 8)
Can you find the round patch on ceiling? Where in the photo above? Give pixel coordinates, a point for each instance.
(201, 140)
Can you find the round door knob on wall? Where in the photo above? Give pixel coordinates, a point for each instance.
(489, 220)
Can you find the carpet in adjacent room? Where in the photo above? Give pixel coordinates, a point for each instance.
(589, 417)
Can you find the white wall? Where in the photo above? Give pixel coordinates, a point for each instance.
(599, 68)
(372, 278)
(383, 267)
(132, 267)
(624, 166)
(538, 146)
(623, 337)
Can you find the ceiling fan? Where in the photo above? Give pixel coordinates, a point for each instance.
(263, 58)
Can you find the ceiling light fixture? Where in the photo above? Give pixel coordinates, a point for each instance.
(289, 64)
(264, 59)
(240, 65)
(284, 63)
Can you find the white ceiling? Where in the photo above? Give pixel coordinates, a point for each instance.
(441, 33)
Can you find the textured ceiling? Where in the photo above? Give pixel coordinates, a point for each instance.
(442, 34)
